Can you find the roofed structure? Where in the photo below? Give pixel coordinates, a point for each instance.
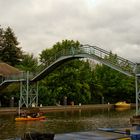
(6, 69)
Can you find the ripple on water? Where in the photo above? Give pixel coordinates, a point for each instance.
(62, 122)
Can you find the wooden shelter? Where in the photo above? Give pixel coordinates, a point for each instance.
(6, 69)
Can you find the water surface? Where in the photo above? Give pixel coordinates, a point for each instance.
(67, 121)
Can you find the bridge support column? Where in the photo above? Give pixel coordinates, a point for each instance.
(137, 81)
(28, 93)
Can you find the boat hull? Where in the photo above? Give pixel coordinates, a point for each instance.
(30, 119)
(122, 105)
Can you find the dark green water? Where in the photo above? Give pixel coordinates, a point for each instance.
(62, 122)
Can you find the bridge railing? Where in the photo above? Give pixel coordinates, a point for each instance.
(59, 54)
(14, 77)
(94, 51)
(117, 61)
(97, 52)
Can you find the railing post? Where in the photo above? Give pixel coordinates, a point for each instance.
(136, 83)
(37, 95)
(72, 50)
(21, 91)
(27, 90)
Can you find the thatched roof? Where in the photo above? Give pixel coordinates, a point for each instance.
(6, 69)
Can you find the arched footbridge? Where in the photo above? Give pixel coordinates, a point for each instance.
(28, 81)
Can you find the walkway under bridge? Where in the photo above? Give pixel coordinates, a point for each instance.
(28, 81)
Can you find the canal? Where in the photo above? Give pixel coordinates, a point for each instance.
(64, 122)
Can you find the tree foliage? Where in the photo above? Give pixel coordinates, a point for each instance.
(78, 80)
(9, 52)
(81, 84)
(28, 63)
(71, 79)
(47, 54)
(114, 86)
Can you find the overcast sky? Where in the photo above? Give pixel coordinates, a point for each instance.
(109, 24)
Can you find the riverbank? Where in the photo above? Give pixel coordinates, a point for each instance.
(62, 108)
(59, 108)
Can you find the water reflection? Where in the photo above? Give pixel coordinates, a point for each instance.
(121, 109)
(67, 121)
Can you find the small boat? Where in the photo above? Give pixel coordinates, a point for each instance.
(122, 105)
(30, 118)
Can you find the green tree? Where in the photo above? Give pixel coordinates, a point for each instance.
(70, 79)
(47, 54)
(9, 52)
(1, 42)
(28, 63)
(96, 86)
(114, 86)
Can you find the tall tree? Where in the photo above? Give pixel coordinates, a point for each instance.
(1, 42)
(114, 86)
(47, 54)
(70, 79)
(9, 51)
(28, 63)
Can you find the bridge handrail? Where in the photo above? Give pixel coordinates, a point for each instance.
(122, 63)
(94, 51)
(19, 76)
(52, 59)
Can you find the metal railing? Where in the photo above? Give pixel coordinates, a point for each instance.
(122, 64)
(93, 51)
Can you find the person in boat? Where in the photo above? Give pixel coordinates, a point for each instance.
(29, 116)
(35, 115)
(38, 114)
(23, 114)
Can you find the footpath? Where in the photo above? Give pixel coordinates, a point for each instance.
(59, 108)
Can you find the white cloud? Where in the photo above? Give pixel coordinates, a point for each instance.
(109, 24)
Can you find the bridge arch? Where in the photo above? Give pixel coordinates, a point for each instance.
(91, 52)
